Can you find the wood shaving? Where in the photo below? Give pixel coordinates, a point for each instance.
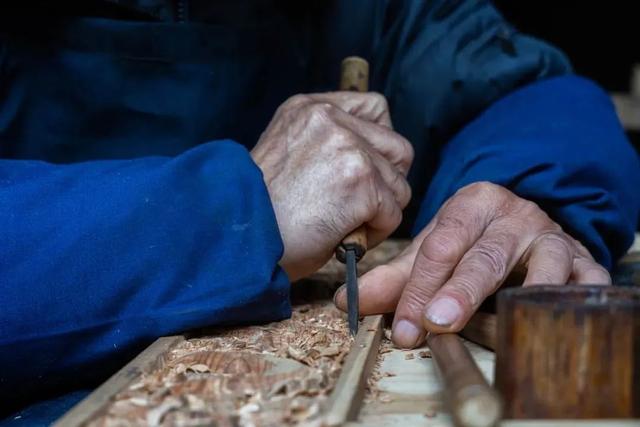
(271, 375)
(385, 398)
(409, 356)
(373, 392)
(219, 380)
(424, 354)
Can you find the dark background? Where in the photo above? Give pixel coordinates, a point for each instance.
(601, 38)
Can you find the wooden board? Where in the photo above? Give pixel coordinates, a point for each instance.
(346, 398)
(421, 420)
(144, 362)
(408, 389)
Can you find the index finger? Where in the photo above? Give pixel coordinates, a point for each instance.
(458, 225)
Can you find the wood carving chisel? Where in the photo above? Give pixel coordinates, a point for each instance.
(354, 76)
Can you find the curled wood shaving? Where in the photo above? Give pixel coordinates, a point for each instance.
(237, 377)
(155, 415)
(373, 392)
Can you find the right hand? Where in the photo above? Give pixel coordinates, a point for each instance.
(331, 163)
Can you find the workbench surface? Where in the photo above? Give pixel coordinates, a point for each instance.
(404, 388)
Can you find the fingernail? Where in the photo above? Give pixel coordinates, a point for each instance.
(444, 311)
(339, 292)
(406, 334)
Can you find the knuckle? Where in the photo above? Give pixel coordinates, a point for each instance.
(401, 188)
(482, 189)
(415, 297)
(380, 99)
(556, 242)
(466, 291)
(544, 276)
(440, 249)
(341, 138)
(319, 111)
(355, 167)
(405, 195)
(491, 258)
(408, 152)
(482, 195)
(297, 100)
(449, 221)
(528, 209)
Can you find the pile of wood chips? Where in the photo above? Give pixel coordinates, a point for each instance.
(272, 375)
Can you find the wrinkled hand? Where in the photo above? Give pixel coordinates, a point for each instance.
(480, 235)
(331, 162)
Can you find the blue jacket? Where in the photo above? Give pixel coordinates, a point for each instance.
(130, 207)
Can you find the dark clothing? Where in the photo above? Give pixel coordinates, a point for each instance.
(130, 207)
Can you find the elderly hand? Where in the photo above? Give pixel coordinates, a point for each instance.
(332, 163)
(465, 253)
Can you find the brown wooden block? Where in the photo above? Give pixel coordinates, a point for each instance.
(569, 352)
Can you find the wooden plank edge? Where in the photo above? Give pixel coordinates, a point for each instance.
(346, 399)
(624, 422)
(144, 362)
(420, 420)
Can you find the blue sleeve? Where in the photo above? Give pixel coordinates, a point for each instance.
(99, 258)
(558, 143)
(441, 63)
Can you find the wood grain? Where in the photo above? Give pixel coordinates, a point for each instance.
(482, 329)
(149, 359)
(569, 352)
(470, 399)
(346, 398)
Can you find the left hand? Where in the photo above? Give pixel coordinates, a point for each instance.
(481, 234)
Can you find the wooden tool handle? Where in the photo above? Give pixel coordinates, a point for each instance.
(471, 401)
(354, 76)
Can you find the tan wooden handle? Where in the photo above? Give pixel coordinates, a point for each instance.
(471, 401)
(354, 76)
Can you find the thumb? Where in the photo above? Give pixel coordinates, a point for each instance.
(379, 290)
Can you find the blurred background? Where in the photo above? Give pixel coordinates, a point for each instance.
(601, 38)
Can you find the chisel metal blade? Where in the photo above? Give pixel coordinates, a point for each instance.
(352, 291)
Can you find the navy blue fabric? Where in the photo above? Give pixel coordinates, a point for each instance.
(43, 413)
(130, 208)
(557, 143)
(101, 257)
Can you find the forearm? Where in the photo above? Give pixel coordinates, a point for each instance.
(99, 258)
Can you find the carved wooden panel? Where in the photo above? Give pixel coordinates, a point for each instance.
(269, 375)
